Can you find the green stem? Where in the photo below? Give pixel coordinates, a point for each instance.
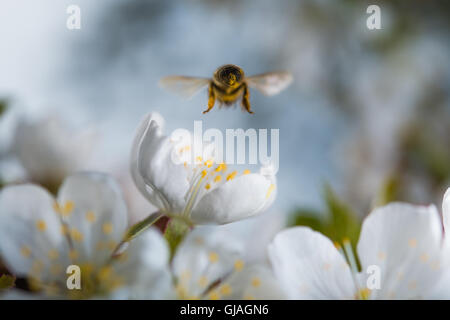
(137, 228)
(176, 230)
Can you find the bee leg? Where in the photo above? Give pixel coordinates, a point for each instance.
(211, 99)
(246, 99)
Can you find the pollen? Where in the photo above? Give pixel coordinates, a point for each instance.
(270, 190)
(231, 175)
(225, 289)
(186, 275)
(214, 295)
(238, 265)
(221, 167)
(107, 228)
(204, 173)
(90, 216)
(213, 257)
(217, 178)
(209, 163)
(25, 251)
(76, 235)
(67, 209)
(41, 225)
(105, 273)
(53, 254)
(246, 171)
(256, 282)
(364, 294)
(249, 297)
(208, 186)
(381, 255)
(199, 159)
(424, 257)
(412, 243)
(203, 281)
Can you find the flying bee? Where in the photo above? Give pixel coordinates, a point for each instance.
(228, 85)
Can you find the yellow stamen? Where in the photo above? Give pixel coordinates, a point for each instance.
(231, 175)
(269, 192)
(107, 228)
(90, 216)
(41, 225)
(238, 265)
(213, 257)
(25, 251)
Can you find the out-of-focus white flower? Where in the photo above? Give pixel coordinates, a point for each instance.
(40, 237)
(49, 151)
(202, 192)
(403, 242)
(209, 264)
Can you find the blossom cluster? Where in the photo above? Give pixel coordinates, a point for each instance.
(402, 253)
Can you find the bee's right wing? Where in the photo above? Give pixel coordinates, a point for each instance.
(185, 87)
(270, 83)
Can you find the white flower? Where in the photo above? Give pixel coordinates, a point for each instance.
(209, 264)
(402, 240)
(49, 151)
(40, 237)
(201, 193)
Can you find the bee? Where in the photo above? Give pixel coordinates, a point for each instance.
(228, 85)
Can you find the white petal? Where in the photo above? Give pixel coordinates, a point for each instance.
(166, 179)
(446, 210)
(144, 267)
(205, 256)
(309, 267)
(31, 241)
(240, 198)
(404, 241)
(98, 217)
(49, 151)
(137, 178)
(252, 282)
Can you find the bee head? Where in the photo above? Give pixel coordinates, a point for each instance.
(229, 75)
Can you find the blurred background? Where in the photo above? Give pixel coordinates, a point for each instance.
(366, 120)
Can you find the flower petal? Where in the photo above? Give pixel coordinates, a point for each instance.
(137, 178)
(239, 198)
(31, 242)
(253, 282)
(204, 257)
(144, 267)
(446, 210)
(404, 241)
(92, 206)
(157, 170)
(309, 267)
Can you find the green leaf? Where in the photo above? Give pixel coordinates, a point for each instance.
(389, 191)
(338, 222)
(7, 281)
(3, 106)
(343, 222)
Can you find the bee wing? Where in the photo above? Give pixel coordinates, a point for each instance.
(270, 83)
(185, 87)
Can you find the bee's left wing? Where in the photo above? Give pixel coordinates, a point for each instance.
(185, 87)
(270, 83)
